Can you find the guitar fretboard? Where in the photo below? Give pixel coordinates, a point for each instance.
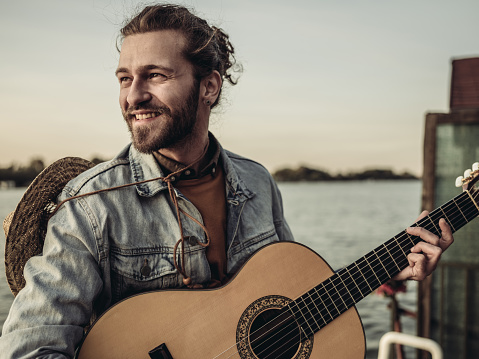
(322, 304)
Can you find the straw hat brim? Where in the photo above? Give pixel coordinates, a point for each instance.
(26, 227)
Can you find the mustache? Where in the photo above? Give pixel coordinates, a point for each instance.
(161, 109)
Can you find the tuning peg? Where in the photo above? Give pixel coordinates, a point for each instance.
(459, 181)
(475, 166)
(467, 173)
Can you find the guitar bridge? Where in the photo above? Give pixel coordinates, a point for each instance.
(160, 352)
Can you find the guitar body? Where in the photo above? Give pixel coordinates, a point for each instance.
(209, 323)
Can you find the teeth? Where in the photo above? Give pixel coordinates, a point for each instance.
(147, 115)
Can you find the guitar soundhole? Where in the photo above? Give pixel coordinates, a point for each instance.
(274, 334)
(267, 331)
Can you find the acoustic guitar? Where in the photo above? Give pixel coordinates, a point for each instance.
(286, 302)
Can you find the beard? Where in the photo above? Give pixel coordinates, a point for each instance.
(176, 124)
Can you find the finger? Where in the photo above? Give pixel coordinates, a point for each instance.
(446, 235)
(417, 263)
(432, 252)
(422, 215)
(430, 258)
(424, 234)
(416, 269)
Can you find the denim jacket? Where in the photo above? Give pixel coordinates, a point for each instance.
(97, 245)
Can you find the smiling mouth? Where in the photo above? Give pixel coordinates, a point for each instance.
(145, 116)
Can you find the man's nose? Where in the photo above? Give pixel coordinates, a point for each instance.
(138, 93)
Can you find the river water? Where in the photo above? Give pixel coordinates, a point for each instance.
(341, 221)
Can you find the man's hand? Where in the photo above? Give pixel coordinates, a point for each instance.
(425, 255)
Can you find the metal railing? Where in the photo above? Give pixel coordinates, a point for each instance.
(410, 340)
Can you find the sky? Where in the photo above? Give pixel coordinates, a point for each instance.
(335, 85)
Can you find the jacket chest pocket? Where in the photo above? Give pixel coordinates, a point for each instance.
(141, 269)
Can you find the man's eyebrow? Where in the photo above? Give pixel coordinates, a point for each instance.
(145, 68)
(120, 69)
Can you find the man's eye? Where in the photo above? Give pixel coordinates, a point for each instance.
(158, 75)
(123, 79)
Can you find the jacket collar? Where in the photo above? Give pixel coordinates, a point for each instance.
(145, 166)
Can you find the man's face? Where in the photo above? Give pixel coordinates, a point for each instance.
(158, 92)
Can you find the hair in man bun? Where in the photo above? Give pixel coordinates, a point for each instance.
(208, 48)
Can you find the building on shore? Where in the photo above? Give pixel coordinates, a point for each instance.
(448, 301)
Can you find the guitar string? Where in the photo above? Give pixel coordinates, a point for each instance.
(276, 348)
(261, 335)
(288, 341)
(424, 220)
(368, 279)
(367, 259)
(421, 222)
(428, 218)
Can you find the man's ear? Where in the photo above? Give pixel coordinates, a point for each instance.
(210, 88)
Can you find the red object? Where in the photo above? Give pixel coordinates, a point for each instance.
(391, 288)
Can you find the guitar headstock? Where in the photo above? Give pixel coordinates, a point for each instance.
(471, 176)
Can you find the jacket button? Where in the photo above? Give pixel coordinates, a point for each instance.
(192, 241)
(145, 269)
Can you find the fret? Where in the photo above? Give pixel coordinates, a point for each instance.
(411, 239)
(400, 246)
(473, 211)
(379, 259)
(362, 275)
(310, 319)
(368, 272)
(383, 259)
(437, 231)
(348, 291)
(320, 305)
(393, 260)
(356, 284)
(401, 254)
(460, 211)
(424, 223)
(314, 309)
(306, 317)
(330, 293)
(472, 208)
(452, 213)
(429, 222)
(408, 243)
(326, 302)
(472, 200)
(313, 296)
(336, 293)
(301, 319)
(447, 220)
(457, 217)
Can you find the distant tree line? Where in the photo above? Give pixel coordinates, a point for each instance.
(22, 176)
(309, 174)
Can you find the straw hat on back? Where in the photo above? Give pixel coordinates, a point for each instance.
(26, 227)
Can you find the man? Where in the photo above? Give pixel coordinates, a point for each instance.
(205, 214)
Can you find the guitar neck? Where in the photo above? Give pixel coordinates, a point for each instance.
(319, 306)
